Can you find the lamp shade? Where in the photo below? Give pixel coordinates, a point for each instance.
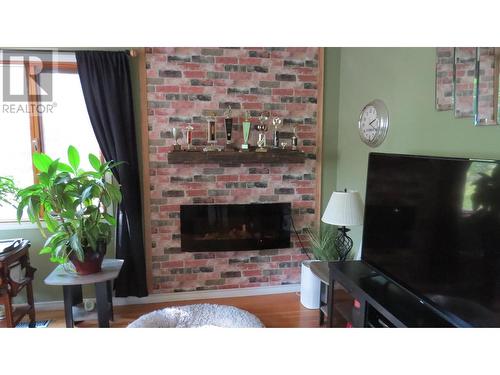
(344, 209)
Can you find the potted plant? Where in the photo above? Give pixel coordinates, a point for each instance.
(74, 205)
(321, 245)
(8, 191)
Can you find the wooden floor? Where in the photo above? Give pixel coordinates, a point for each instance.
(277, 310)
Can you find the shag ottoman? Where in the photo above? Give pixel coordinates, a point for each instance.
(197, 316)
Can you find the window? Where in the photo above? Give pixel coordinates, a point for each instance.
(30, 123)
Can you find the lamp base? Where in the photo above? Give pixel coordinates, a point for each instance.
(343, 243)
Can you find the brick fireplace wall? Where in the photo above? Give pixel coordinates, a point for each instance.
(184, 86)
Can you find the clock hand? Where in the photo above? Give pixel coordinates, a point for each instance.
(373, 121)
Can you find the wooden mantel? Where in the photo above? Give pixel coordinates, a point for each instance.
(236, 157)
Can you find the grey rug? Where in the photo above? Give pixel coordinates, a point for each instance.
(38, 324)
(198, 316)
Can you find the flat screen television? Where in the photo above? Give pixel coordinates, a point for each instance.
(432, 224)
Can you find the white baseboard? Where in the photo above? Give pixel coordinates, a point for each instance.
(185, 296)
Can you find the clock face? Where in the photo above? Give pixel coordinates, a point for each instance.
(369, 123)
(373, 123)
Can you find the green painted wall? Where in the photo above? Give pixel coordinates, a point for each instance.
(330, 123)
(404, 79)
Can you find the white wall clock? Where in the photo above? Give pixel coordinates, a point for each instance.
(373, 123)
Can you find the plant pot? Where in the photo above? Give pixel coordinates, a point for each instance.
(92, 260)
(310, 286)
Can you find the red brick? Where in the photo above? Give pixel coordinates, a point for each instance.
(174, 264)
(197, 193)
(250, 61)
(296, 107)
(240, 76)
(305, 190)
(280, 258)
(192, 89)
(186, 277)
(182, 105)
(226, 60)
(282, 91)
(306, 135)
(304, 92)
(308, 78)
(163, 88)
(171, 207)
(190, 66)
(252, 105)
(252, 273)
(250, 177)
(196, 263)
(194, 74)
(227, 178)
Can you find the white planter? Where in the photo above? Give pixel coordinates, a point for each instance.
(310, 286)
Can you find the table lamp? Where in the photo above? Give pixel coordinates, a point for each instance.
(344, 208)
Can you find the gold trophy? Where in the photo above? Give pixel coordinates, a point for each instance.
(246, 132)
(276, 136)
(211, 135)
(177, 134)
(228, 122)
(294, 139)
(262, 128)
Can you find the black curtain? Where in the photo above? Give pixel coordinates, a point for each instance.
(105, 79)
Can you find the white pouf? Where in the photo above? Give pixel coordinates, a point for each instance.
(197, 316)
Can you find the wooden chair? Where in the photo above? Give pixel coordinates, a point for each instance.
(10, 287)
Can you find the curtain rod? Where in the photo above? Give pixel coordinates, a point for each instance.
(130, 52)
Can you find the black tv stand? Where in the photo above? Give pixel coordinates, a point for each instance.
(383, 303)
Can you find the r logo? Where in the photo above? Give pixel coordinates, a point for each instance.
(12, 90)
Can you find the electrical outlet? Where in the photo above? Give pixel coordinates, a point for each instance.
(89, 304)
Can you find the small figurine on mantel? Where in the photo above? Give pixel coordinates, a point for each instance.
(262, 128)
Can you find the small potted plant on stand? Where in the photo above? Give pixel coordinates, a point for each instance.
(323, 249)
(8, 191)
(74, 205)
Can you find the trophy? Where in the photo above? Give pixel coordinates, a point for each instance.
(211, 135)
(189, 136)
(246, 132)
(177, 134)
(276, 137)
(262, 128)
(228, 122)
(294, 139)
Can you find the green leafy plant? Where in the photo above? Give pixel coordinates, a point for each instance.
(322, 243)
(8, 191)
(487, 190)
(72, 202)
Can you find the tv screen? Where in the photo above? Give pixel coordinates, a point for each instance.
(433, 225)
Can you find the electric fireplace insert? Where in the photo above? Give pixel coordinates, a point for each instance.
(233, 227)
